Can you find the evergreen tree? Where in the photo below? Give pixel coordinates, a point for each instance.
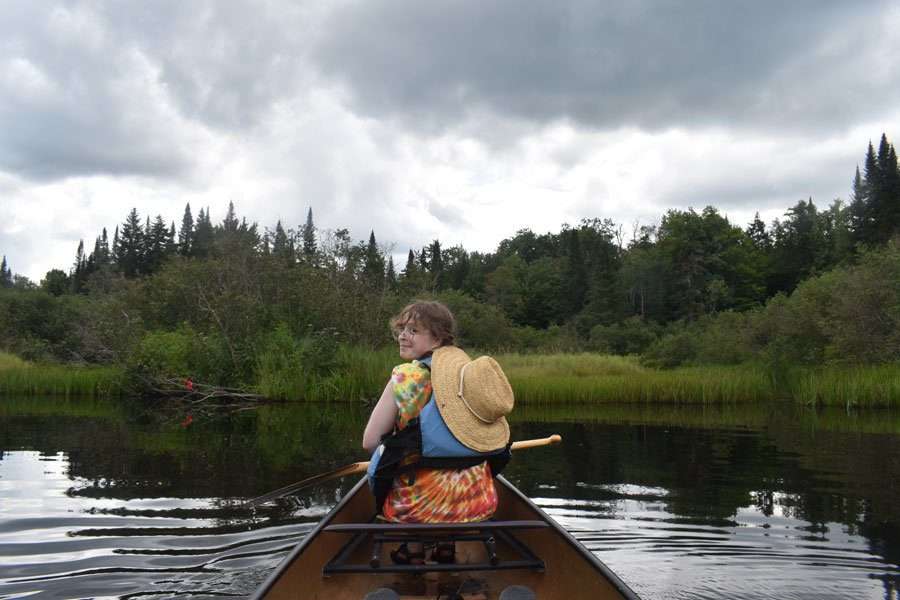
(156, 243)
(114, 249)
(94, 258)
(436, 265)
(411, 277)
(202, 238)
(186, 233)
(6, 278)
(881, 205)
(373, 264)
(171, 245)
(422, 258)
(230, 224)
(889, 217)
(390, 278)
(411, 267)
(859, 209)
(871, 183)
(308, 235)
(281, 245)
(130, 249)
(104, 257)
(758, 235)
(799, 248)
(79, 269)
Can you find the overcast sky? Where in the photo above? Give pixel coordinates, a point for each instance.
(462, 121)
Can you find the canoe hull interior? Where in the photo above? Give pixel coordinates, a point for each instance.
(570, 572)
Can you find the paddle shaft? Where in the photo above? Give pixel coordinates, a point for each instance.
(360, 467)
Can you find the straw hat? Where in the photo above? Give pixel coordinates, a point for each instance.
(473, 397)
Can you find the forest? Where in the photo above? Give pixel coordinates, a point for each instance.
(230, 300)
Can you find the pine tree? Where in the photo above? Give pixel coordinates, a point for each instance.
(757, 233)
(882, 208)
(78, 269)
(308, 236)
(373, 264)
(171, 246)
(230, 224)
(6, 278)
(891, 183)
(104, 257)
(130, 248)
(186, 233)
(114, 249)
(95, 257)
(390, 278)
(155, 245)
(281, 245)
(410, 278)
(411, 267)
(859, 209)
(436, 265)
(871, 184)
(202, 238)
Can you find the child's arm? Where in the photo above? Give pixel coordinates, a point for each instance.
(382, 419)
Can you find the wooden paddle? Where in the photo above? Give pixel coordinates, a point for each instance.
(360, 467)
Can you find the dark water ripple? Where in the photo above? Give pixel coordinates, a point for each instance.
(57, 543)
(662, 555)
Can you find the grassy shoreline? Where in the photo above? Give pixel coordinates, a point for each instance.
(548, 379)
(19, 377)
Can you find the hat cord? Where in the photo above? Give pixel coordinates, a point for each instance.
(463, 398)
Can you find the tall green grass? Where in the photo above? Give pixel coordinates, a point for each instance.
(358, 374)
(591, 378)
(862, 386)
(22, 378)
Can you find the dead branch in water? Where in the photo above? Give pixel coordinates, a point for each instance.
(198, 393)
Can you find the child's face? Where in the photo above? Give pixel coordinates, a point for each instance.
(415, 340)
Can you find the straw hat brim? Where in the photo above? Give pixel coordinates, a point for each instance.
(446, 365)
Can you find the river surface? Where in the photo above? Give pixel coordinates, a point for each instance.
(124, 500)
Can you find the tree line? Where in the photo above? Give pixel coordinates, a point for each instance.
(581, 287)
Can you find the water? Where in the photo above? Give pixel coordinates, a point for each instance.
(112, 500)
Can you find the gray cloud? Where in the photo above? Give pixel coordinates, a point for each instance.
(129, 88)
(647, 64)
(457, 120)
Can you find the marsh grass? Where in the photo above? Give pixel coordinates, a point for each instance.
(22, 378)
(862, 386)
(358, 374)
(591, 378)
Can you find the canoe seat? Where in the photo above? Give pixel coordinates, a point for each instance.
(502, 549)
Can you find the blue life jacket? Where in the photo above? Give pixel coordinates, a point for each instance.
(429, 437)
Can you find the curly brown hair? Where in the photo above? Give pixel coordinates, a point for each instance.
(430, 314)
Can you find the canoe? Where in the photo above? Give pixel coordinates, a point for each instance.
(346, 556)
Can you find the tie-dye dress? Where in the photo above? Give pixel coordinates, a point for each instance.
(434, 495)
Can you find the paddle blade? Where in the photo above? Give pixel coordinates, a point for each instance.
(358, 467)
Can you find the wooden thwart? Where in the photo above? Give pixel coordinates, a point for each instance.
(371, 540)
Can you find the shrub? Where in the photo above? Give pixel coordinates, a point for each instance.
(678, 346)
(289, 367)
(185, 352)
(631, 336)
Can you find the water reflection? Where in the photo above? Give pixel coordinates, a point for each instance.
(111, 500)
